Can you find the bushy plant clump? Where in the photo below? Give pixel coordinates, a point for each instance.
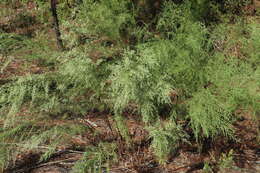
(174, 67)
(167, 136)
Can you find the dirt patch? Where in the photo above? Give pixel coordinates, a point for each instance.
(18, 67)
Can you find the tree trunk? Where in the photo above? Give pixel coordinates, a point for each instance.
(56, 24)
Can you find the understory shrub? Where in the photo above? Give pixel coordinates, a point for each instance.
(106, 18)
(148, 75)
(97, 159)
(175, 68)
(166, 137)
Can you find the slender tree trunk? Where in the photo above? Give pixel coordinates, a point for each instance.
(56, 24)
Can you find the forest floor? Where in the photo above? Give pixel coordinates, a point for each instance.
(137, 158)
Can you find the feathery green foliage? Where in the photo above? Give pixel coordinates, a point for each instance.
(174, 65)
(166, 138)
(30, 135)
(94, 158)
(147, 75)
(10, 43)
(209, 116)
(226, 160)
(106, 18)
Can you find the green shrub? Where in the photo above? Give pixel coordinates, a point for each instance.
(172, 66)
(148, 75)
(166, 138)
(10, 43)
(226, 161)
(95, 158)
(106, 18)
(209, 117)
